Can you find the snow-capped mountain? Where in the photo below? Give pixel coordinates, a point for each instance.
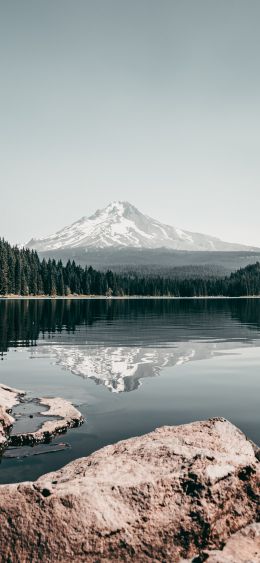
(121, 225)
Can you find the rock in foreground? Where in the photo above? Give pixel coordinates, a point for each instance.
(166, 496)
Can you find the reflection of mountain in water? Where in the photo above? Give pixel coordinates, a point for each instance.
(121, 368)
(117, 343)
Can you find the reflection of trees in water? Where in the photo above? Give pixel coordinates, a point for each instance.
(22, 321)
(246, 311)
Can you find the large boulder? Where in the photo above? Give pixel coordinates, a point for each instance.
(169, 495)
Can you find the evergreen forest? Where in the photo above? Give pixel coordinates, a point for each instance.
(23, 273)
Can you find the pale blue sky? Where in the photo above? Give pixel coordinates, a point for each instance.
(151, 101)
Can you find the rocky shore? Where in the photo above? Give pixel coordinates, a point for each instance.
(182, 493)
(64, 414)
(9, 397)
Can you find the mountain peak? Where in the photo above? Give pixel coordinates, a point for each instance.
(117, 207)
(121, 225)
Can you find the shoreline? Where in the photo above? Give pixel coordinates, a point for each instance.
(61, 414)
(120, 297)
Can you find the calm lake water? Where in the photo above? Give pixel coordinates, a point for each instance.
(130, 366)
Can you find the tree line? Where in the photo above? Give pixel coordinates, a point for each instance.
(22, 272)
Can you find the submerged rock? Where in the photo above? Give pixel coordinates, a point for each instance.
(33, 450)
(170, 495)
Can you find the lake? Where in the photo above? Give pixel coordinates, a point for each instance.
(130, 366)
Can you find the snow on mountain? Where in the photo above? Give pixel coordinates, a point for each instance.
(121, 225)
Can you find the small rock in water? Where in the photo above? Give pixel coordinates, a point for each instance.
(28, 451)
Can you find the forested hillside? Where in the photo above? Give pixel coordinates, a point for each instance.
(23, 273)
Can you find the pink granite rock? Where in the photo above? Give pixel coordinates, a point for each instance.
(169, 495)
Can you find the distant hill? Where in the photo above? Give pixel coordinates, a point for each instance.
(153, 261)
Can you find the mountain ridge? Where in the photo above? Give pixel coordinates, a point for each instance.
(122, 225)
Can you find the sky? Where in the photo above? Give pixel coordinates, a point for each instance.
(151, 101)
